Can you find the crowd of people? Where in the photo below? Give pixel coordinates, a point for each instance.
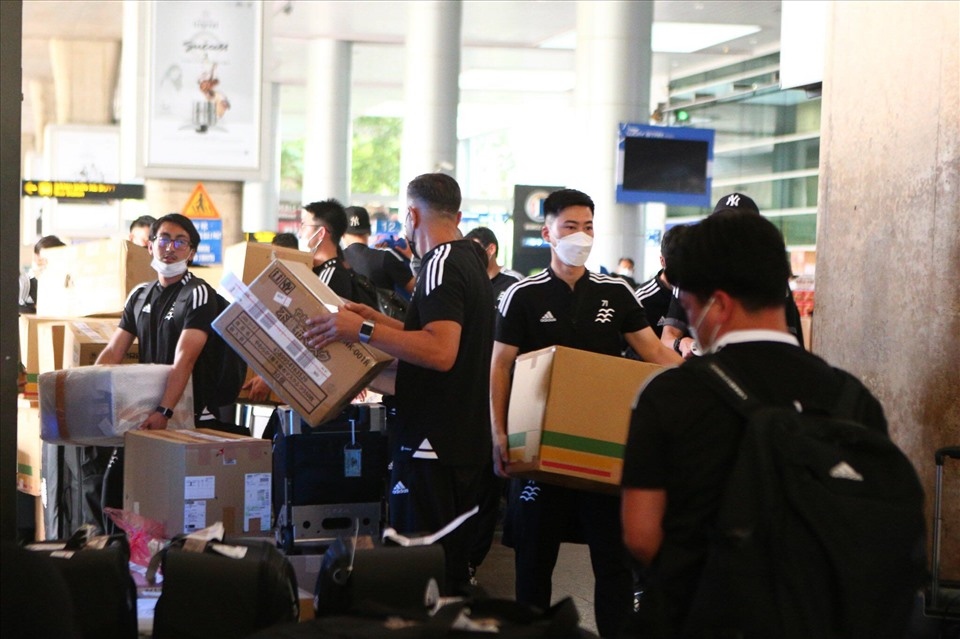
(719, 295)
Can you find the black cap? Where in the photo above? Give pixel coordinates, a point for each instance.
(737, 202)
(358, 220)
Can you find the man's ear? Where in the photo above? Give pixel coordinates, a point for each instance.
(724, 303)
(545, 233)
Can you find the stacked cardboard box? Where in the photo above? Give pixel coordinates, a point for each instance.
(84, 340)
(265, 326)
(189, 480)
(569, 416)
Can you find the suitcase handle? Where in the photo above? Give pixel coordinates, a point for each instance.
(947, 451)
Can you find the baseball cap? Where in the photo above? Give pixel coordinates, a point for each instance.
(358, 220)
(737, 201)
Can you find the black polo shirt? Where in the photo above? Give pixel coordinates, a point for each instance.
(654, 296)
(450, 410)
(384, 268)
(336, 276)
(501, 282)
(542, 311)
(160, 323)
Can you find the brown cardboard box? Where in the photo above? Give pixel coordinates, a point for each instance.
(30, 349)
(85, 339)
(92, 278)
(96, 405)
(569, 415)
(244, 396)
(247, 260)
(29, 447)
(264, 326)
(189, 480)
(50, 345)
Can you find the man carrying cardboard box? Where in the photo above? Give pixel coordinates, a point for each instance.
(566, 305)
(442, 439)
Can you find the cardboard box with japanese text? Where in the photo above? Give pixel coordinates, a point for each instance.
(265, 325)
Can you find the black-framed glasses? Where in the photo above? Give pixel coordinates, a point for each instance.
(178, 244)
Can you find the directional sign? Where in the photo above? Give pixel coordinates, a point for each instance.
(200, 205)
(99, 191)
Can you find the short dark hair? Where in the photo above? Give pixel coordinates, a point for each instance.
(331, 214)
(668, 243)
(288, 240)
(739, 252)
(438, 191)
(183, 222)
(485, 236)
(559, 200)
(144, 221)
(47, 241)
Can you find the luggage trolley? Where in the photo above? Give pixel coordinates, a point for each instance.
(944, 597)
(331, 481)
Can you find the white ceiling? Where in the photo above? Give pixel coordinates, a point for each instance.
(501, 40)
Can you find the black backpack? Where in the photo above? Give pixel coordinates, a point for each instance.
(820, 530)
(384, 300)
(230, 369)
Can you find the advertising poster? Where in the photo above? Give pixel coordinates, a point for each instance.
(204, 85)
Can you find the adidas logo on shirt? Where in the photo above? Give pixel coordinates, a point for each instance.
(400, 489)
(548, 317)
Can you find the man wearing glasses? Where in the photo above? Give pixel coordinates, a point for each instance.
(170, 335)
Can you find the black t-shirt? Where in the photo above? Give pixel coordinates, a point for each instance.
(684, 437)
(383, 268)
(655, 296)
(450, 409)
(542, 311)
(501, 282)
(336, 276)
(160, 323)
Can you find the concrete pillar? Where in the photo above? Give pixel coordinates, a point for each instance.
(85, 76)
(613, 85)
(888, 240)
(261, 200)
(326, 157)
(431, 89)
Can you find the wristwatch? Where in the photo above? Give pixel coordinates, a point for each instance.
(166, 412)
(366, 331)
(676, 345)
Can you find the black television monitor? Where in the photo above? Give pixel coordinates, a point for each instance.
(672, 165)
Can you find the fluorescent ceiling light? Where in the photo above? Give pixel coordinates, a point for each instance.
(517, 80)
(672, 37)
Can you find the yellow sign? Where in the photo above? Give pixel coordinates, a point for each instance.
(200, 205)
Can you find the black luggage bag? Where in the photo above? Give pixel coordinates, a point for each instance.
(223, 589)
(97, 572)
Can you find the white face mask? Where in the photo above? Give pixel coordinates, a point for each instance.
(698, 347)
(169, 270)
(626, 272)
(574, 249)
(410, 234)
(303, 243)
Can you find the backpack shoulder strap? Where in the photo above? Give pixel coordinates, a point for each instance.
(726, 384)
(142, 298)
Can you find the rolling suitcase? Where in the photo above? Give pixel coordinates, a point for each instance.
(97, 572)
(223, 589)
(944, 596)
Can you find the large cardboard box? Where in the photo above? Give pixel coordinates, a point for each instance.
(265, 324)
(189, 480)
(569, 416)
(96, 405)
(50, 337)
(30, 350)
(85, 339)
(92, 278)
(29, 447)
(247, 260)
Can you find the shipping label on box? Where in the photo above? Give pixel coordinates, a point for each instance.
(29, 447)
(85, 339)
(92, 278)
(205, 476)
(96, 405)
(569, 415)
(265, 325)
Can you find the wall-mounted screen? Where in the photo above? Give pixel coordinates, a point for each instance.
(672, 165)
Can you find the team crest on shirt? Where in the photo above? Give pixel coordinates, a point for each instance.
(604, 313)
(169, 315)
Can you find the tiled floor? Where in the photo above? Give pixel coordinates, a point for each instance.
(573, 577)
